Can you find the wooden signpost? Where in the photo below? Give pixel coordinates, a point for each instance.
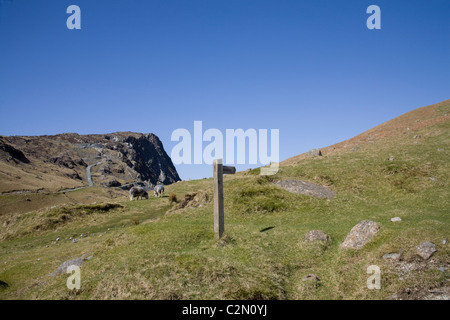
(218, 171)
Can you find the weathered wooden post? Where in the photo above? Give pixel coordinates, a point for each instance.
(218, 171)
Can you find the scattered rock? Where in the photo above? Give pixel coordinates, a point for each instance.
(316, 235)
(426, 249)
(77, 262)
(396, 219)
(393, 256)
(432, 178)
(417, 136)
(74, 241)
(13, 153)
(314, 153)
(444, 241)
(360, 234)
(391, 158)
(304, 187)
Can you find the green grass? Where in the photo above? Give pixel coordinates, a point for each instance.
(142, 253)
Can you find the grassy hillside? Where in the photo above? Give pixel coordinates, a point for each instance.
(141, 252)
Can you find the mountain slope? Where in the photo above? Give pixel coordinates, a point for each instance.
(403, 125)
(63, 161)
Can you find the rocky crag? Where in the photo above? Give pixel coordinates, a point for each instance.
(73, 160)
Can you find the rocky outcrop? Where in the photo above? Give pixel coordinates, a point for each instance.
(9, 153)
(150, 160)
(67, 161)
(305, 187)
(120, 158)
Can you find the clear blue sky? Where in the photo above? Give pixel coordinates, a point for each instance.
(311, 69)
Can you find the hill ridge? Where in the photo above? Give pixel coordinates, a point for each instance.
(408, 122)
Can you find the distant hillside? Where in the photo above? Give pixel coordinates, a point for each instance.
(404, 124)
(66, 160)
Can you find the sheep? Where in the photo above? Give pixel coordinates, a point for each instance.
(159, 190)
(136, 192)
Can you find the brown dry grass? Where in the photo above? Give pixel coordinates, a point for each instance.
(409, 122)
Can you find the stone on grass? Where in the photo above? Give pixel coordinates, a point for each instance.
(75, 262)
(396, 219)
(426, 249)
(316, 235)
(305, 187)
(392, 256)
(314, 153)
(360, 234)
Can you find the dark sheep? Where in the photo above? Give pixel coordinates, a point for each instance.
(136, 192)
